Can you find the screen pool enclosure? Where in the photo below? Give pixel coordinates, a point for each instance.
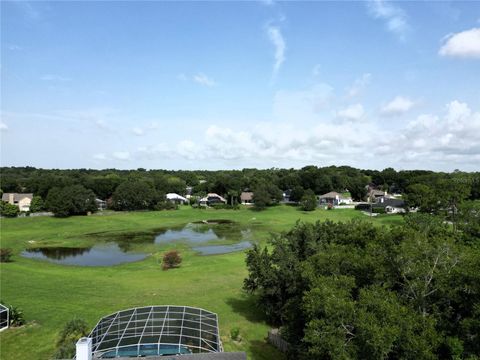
(4, 317)
(156, 330)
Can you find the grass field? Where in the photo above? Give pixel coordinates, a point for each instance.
(52, 294)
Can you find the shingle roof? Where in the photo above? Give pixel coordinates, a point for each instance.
(330, 195)
(246, 196)
(16, 196)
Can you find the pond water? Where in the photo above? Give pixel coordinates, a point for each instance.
(209, 237)
(222, 249)
(105, 254)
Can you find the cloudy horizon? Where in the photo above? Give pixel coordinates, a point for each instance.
(211, 86)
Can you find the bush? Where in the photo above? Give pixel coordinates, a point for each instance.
(225, 206)
(68, 337)
(378, 210)
(166, 205)
(171, 259)
(16, 315)
(5, 255)
(8, 210)
(363, 207)
(330, 206)
(235, 333)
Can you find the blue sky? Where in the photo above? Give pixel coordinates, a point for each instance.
(219, 85)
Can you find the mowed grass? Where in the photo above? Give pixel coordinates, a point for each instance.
(51, 294)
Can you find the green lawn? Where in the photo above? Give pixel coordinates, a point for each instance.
(52, 294)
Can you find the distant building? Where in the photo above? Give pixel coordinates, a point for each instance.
(101, 204)
(177, 199)
(334, 198)
(391, 206)
(23, 201)
(211, 199)
(286, 196)
(246, 198)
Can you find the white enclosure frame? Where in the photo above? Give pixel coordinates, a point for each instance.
(153, 329)
(4, 317)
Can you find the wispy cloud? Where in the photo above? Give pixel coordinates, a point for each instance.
(359, 85)
(352, 113)
(54, 77)
(395, 17)
(276, 38)
(30, 11)
(3, 126)
(204, 80)
(138, 131)
(121, 155)
(14, 47)
(465, 44)
(398, 106)
(100, 156)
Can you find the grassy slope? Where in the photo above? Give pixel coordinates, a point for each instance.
(52, 294)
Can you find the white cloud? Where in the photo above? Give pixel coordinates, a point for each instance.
(352, 113)
(204, 80)
(394, 16)
(302, 104)
(397, 106)
(276, 38)
(54, 77)
(14, 47)
(3, 126)
(138, 131)
(465, 44)
(359, 85)
(100, 156)
(316, 70)
(121, 155)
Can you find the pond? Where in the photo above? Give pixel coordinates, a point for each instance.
(208, 237)
(105, 254)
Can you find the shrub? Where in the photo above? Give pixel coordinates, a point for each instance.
(5, 255)
(235, 333)
(330, 206)
(16, 315)
(166, 205)
(378, 210)
(171, 259)
(68, 337)
(8, 210)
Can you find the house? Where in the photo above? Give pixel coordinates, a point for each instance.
(211, 199)
(286, 195)
(246, 198)
(23, 201)
(334, 198)
(391, 206)
(101, 204)
(177, 199)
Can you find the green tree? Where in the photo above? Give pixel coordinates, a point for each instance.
(308, 201)
(134, 194)
(37, 204)
(297, 193)
(70, 200)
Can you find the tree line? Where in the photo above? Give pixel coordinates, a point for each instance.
(145, 189)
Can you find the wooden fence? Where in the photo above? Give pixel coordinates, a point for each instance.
(276, 340)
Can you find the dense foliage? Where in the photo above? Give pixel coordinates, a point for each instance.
(308, 201)
(68, 337)
(70, 200)
(8, 210)
(134, 194)
(356, 291)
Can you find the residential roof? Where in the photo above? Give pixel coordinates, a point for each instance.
(173, 196)
(390, 202)
(210, 195)
(375, 192)
(246, 196)
(16, 196)
(330, 195)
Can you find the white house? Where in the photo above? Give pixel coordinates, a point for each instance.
(23, 201)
